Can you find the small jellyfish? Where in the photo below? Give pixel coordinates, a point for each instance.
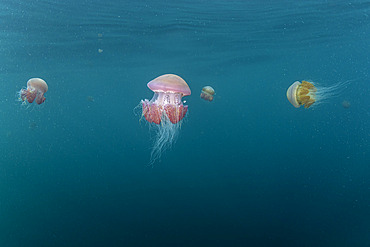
(346, 104)
(32, 126)
(36, 88)
(207, 93)
(306, 93)
(90, 98)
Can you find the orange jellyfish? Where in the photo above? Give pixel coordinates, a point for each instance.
(307, 93)
(301, 94)
(207, 93)
(165, 110)
(36, 88)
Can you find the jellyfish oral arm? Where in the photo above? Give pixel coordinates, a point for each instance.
(152, 112)
(40, 98)
(164, 105)
(175, 113)
(28, 94)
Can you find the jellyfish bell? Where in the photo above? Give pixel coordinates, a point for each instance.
(36, 88)
(165, 110)
(308, 93)
(207, 93)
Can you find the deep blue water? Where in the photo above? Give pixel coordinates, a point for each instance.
(247, 169)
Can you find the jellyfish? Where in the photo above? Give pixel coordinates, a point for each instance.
(306, 93)
(36, 88)
(165, 110)
(346, 104)
(90, 98)
(207, 93)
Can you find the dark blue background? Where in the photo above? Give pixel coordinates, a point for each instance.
(247, 169)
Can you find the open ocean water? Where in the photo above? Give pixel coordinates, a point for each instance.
(247, 169)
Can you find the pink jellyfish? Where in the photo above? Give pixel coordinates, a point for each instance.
(166, 103)
(166, 110)
(36, 88)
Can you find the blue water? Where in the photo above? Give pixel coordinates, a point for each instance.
(247, 169)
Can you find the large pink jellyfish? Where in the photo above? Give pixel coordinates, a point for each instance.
(36, 88)
(165, 110)
(166, 103)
